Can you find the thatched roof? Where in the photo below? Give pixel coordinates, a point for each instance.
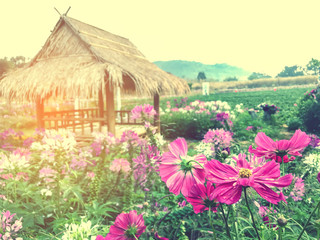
(77, 59)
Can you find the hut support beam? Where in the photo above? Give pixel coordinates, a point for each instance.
(156, 104)
(100, 107)
(111, 115)
(100, 104)
(40, 113)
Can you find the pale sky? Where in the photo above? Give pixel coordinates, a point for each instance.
(257, 35)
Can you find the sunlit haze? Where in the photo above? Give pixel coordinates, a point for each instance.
(260, 36)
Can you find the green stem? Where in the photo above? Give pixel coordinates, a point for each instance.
(225, 222)
(214, 233)
(135, 237)
(253, 222)
(283, 171)
(280, 233)
(304, 228)
(234, 222)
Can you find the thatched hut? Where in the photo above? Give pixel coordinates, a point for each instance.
(82, 61)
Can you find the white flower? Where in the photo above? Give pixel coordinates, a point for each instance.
(312, 161)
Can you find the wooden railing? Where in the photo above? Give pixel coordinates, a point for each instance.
(84, 118)
(124, 118)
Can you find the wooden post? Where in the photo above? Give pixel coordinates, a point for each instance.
(156, 105)
(100, 104)
(40, 113)
(111, 115)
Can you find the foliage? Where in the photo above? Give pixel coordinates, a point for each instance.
(8, 65)
(230, 79)
(201, 76)
(194, 120)
(290, 72)
(256, 75)
(309, 111)
(314, 66)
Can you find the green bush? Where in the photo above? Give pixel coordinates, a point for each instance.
(245, 127)
(309, 111)
(191, 126)
(294, 123)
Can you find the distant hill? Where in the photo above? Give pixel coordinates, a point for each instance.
(189, 70)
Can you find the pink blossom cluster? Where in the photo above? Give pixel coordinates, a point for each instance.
(219, 138)
(9, 229)
(145, 162)
(120, 164)
(8, 138)
(103, 142)
(144, 111)
(314, 140)
(297, 192)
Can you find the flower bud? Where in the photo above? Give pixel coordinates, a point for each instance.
(282, 221)
(318, 177)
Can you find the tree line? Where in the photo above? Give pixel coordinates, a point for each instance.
(312, 68)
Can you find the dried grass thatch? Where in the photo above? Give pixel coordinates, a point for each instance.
(78, 59)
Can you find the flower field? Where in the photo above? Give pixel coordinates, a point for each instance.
(237, 165)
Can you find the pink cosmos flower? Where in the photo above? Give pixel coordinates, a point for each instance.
(318, 177)
(230, 180)
(180, 171)
(127, 226)
(278, 149)
(201, 198)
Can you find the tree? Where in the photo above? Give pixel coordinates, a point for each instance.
(201, 76)
(230, 79)
(256, 75)
(18, 61)
(14, 62)
(314, 66)
(291, 72)
(5, 66)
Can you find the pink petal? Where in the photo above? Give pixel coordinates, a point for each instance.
(178, 147)
(100, 237)
(228, 193)
(266, 193)
(283, 181)
(282, 145)
(218, 172)
(188, 182)
(242, 161)
(265, 142)
(199, 174)
(166, 171)
(175, 182)
(169, 158)
(298, 142)
(270, 170)
(200, 158)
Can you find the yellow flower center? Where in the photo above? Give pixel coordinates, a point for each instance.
(245, 173)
